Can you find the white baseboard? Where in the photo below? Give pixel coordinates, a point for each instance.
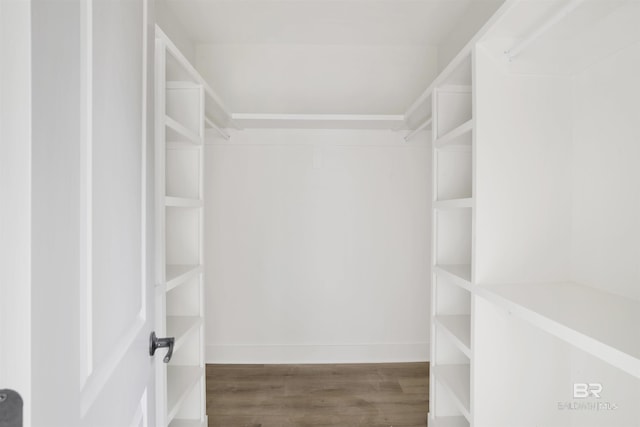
(321, 353)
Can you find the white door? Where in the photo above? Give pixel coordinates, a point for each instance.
(81, 305)
(118, 385)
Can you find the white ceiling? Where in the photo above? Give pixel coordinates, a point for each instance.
(319, 56)
(318, 21)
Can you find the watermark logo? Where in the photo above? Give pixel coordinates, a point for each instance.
(587, 397)
(586, 390)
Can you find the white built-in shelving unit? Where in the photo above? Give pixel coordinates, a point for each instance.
(185, 106)
(535, 253)
(451, 351)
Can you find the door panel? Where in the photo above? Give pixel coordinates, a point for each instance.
(117, 285)
(117, 374)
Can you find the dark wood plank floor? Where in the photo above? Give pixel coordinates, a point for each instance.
(371, 395)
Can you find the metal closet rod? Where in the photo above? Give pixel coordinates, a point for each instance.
(214, 126)
(564, 11)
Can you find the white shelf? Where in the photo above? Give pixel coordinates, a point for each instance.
(176, 132)
(180, 381)
(187, 423)
(181, 327)
(320, 121)
(453, 203)
(426, 125)
(178, 274)
(182, 202)
(179, 68)
(456, 379)
(597, 322)
(458, 273)
(459, 329)
(448, 422)
(453, 137)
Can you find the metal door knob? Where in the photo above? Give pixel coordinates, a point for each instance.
(156, 343)
(10, 408)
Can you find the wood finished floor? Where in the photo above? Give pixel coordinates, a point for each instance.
(350, 395)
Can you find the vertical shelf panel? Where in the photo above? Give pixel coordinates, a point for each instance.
(180, 136)
(453, 207)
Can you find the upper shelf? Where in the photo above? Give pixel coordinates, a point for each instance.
(592, 320)
(562, 37)
(459, 274)
(459, 329)
(176, 132)
(459, 136)
(178, 68)
(320, 121)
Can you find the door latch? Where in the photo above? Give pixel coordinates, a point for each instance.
(156, 343)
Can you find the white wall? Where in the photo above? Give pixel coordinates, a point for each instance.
(477, 14)
(606, 197)
(317, 79)
(174, 29)
(317, 247)
(522, 229)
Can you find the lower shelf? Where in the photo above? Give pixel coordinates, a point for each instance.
(590, 319)
(456, 379)
(177, 274)
(459, 329)
(181, 327)
(180, 381)
(458, 273)
(448, 422)
(187, 423)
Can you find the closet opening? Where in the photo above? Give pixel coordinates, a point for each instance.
(366, 224)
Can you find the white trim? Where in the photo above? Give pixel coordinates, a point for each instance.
(318, 117)
(560, 15)
(86, 194)
(16, 184)
(463, 54)
(184, 62)
(319, 353)
(321, 121)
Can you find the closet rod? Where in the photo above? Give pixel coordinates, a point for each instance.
(208, 121)
(418, 129)
(568, 8)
